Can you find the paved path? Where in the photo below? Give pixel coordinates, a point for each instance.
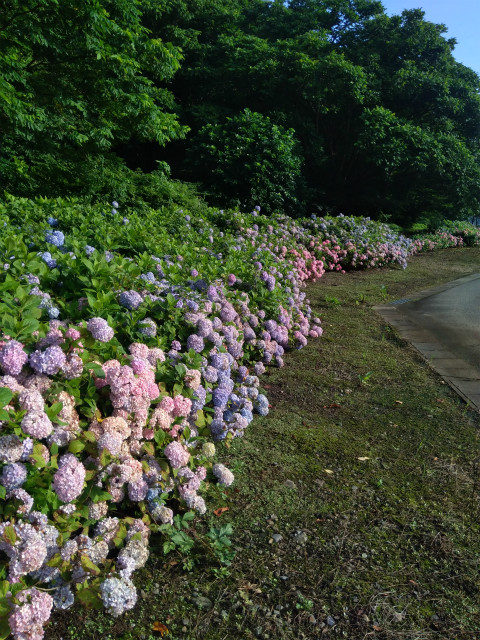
(443, 324)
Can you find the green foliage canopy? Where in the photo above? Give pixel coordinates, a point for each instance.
(76, 80)
(248, 160)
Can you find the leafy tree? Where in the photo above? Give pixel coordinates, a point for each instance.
(247, 161)
(78, 79)
(387, 120)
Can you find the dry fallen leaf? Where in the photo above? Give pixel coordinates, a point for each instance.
(329, 471)
(218, 512)
(250, 587)
(161, 628)
(376, 627)
(362, 458)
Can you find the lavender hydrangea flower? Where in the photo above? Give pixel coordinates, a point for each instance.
(49, 361)
(118, 595)
(12, 358)
(68, 480)
(13, 475)
(224, 475)
(177, 455)
(147, 328)
(89, 250)
(11, 448)
(29, 616)
(36, 424)
(100, 329)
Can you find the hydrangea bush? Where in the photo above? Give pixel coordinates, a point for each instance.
(131, 343)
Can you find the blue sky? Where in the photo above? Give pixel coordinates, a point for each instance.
(461, 17)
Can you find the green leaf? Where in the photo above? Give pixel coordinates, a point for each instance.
(159, 437)
(76, 446)
(55, 561)
(120, 535)
(5, 396)
(9, 535)
(97, 494)
(89, 597)
(96, 369)
(89, 566)
(200, 421)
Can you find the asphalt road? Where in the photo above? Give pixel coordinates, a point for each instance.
(453, 318)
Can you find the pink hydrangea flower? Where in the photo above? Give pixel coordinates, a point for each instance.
(182, 406)
(177, 455)
(28, 618)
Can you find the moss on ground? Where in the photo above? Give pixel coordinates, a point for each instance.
(356, 502)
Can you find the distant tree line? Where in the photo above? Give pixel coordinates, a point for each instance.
(300, 106)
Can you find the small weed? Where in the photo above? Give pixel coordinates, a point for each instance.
(332, 301)
(365, 378)
(221, 544)
(303, 604)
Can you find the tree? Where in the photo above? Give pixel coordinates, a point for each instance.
(388, 122)
(248, 161)
(78, 79)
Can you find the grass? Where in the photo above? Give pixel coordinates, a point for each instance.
(368, 468)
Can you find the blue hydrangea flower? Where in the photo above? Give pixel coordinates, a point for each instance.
(130, 299)
(55, 237)
(46, 256)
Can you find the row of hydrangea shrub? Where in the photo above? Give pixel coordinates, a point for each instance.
(130, 345)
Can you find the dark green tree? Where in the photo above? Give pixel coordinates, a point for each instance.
(77, 81)
(247, 161)
(387, 120)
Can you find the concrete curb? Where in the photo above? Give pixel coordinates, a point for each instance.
(463, 378)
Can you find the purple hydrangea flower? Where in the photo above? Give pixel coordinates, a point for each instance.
(195, 342)
(49, 361)
(100, 329)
